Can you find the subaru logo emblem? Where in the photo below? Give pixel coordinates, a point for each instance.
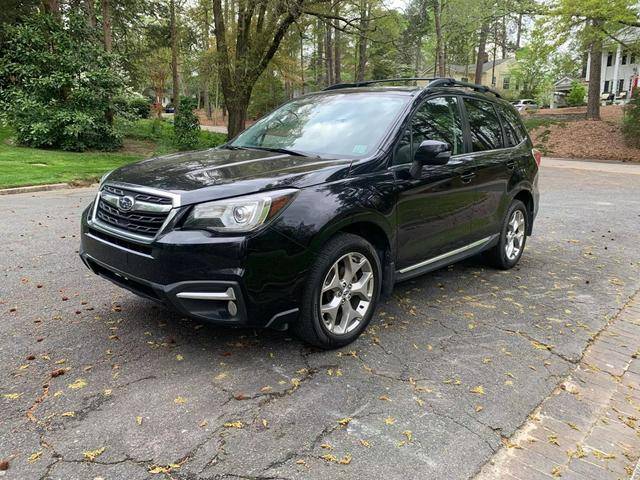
(126, 203)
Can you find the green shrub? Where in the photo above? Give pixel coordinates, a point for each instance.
(56, 84)
(576, 95)
(186, 126)
(631, 121)
(132, 107)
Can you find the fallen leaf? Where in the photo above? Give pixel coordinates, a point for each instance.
(139, 420)
(344, 421)
(11, 396)
(91, 455)
(236, 424)
(34, 457)
(69, 414)
(179, 357)
(180, 400)
(479, 390)
(389, 420)
(364, 443)
(79, 383)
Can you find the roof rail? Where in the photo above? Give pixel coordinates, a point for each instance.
(364, 83)
(433, 82)
(452, 82)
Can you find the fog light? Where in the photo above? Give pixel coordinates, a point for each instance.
(233, 309)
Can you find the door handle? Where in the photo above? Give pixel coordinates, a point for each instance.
(466, 178)
(511, 164)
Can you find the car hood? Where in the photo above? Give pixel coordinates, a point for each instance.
(220, 173)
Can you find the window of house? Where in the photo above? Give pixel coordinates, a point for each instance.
(436, 119)
(606, 86)
(632, 58)
(624, 58)
(621, 85)
(609, 59)
(505, 83)
(484, 125)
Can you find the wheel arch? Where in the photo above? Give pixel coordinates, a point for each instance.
(375, 229)
(526, 197)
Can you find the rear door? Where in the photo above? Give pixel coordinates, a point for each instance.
(494, 166)
(433, 211)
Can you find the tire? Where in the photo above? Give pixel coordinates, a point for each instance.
(324, 284)
(500, 255)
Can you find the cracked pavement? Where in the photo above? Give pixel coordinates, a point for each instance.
(98, 383)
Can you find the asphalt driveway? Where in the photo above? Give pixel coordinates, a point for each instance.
(97, 383)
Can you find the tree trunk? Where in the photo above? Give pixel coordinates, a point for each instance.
(206, 78)
(302, 62)
(174, 56)
(52, 7)
(320, 54)
(437, 16)
(90, 13)
(362, 41)
(595, 72)
(237, 115)
(519, 31)
(337, 56)
(482, 54)
(106, 25)
(328, 47)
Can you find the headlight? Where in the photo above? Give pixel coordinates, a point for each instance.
(239, 214)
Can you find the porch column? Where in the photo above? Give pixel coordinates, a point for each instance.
(616, 69)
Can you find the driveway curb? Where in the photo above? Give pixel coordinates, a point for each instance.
(587, 429)
(34, 188)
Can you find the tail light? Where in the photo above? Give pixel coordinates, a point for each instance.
(537, 155)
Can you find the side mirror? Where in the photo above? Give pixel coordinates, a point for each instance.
(430, 152)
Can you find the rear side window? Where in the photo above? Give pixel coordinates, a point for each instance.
(484, 125)
(514, 130)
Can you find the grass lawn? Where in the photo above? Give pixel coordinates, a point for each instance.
(21, 166)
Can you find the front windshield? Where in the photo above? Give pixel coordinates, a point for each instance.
(336, 125)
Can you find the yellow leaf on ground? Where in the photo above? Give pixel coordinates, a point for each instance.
(91, 455)
(34, 457)
(389, 420)
(180, 400)
(69, 414)
(179, 357)
(79, 383)
(479, 390)
(326, 446)
(364, 443)
(139, 420)
(346, 460)
(11, 396)
(344, 421)
(236, 424)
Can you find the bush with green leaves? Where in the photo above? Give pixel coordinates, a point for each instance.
(576, 95)
(631, 121)
(132, 107)
(57, 84)
(186, 126)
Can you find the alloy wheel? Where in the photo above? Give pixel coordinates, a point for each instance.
(515, 235)
(346, 294)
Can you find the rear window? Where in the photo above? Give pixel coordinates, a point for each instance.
(484, 125)
(514, 130)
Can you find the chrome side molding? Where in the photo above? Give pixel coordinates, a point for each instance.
(446, 255)
(229, 294)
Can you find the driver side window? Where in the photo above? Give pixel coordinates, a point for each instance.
(436, 119)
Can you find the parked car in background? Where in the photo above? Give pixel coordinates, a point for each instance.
(527, 105)
(314, 212)
(170, 108)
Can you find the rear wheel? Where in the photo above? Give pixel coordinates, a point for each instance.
(513, 237)
(341, 292)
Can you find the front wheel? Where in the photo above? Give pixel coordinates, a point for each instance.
(341, 293)
(513, 237)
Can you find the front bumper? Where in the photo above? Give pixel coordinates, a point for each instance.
(241, 281)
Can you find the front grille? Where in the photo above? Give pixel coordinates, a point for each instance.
(134, 221)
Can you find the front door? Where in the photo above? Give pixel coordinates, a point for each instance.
(434, 210)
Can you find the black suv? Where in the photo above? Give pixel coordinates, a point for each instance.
(310, 215)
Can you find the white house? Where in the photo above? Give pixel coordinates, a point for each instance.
(620, 67)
